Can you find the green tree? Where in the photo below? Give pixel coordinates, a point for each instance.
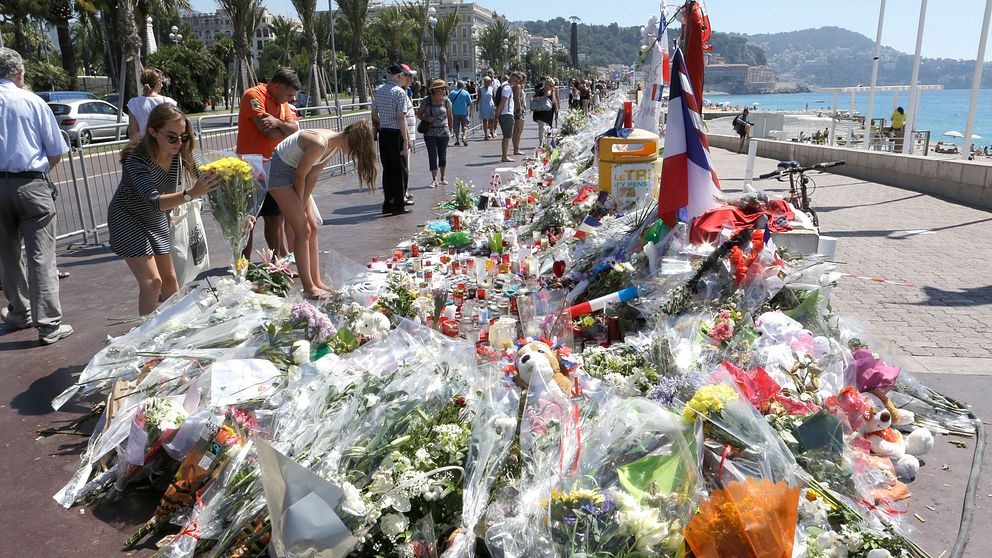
(223, 51)
(285, 38)
(20, 12)
(494, 42)
(307, 10)
(392, 25)
(245, 16)
(192, 71)
(417, 13)
(356, 12)
(59, 14)
(444, 30)
(42, 76)
(127, 33)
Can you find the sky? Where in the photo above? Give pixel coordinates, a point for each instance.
(949, 33)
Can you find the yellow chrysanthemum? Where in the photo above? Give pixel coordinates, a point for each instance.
(707, 400)
(229, 167)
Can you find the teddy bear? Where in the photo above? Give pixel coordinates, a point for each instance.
(876, 377)
(372, 325)
(902, 451)
(537, 361)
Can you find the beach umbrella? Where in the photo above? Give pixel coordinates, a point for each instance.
(954, 134)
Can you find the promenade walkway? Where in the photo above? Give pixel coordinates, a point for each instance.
(940, 327)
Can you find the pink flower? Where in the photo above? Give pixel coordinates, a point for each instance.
(722, 331)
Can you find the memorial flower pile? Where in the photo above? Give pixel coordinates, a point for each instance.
(537, 373)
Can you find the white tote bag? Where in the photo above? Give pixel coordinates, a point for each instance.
(189, 240)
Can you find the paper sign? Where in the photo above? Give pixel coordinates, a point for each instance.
(631, 181)
(235, 381)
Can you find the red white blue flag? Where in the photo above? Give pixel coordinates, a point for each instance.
(688, 180)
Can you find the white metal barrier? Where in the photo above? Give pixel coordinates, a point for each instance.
(87, 178)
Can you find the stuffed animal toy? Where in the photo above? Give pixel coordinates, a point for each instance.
(372, 325)
(903, 451)
(537, 362)
(874, 376)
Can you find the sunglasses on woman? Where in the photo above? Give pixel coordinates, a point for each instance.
(173, 138)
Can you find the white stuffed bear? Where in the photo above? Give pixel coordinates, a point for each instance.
(903, 451)
(372, 325)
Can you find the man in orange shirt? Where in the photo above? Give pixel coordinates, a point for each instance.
(265, 119)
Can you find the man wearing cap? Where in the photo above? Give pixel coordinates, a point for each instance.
(389, 117)
(33, 145)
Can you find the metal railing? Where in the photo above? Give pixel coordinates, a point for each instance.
(88, 176)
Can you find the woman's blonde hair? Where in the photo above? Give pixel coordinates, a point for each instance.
(146, 146)
(361, 149)
(150, 77)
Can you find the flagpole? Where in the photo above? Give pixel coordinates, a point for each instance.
(976, 80)
(874, 75)
(907, 142)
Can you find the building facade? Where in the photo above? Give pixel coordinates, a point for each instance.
(463, 56)
(208, 28)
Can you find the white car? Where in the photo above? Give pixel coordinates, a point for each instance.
(86, 120)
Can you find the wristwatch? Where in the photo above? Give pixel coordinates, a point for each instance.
(187, 196)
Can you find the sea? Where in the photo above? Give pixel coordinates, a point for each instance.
(941, 111)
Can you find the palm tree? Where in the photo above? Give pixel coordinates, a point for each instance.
(392, 24)
(493, 42)
(356, 11)
(444, 30)
(59, 14)
(19, 11)
(307, 10)
(223, 50)
(284, 33)
(417, 13)
(245, 16)
(130, 41)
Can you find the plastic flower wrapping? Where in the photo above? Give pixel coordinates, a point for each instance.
(539, 372)
(233, 201)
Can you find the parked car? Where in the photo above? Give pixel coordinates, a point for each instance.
(112, 98)
(57, 96)
(88, 120)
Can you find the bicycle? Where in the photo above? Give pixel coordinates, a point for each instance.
(801, 188)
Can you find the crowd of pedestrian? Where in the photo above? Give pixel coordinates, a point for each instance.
(161, 179)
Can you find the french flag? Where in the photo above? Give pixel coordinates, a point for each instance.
(687, 176)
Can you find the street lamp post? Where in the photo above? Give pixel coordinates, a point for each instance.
(175, 36)
(432, 21)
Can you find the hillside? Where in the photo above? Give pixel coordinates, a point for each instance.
(832, 56)
(611, 44)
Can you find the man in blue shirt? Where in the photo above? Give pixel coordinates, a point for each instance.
(460, 101)
(33, 145)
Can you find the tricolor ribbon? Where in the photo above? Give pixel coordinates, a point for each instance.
(602, 302)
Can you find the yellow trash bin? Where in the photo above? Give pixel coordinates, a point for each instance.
(629, 168)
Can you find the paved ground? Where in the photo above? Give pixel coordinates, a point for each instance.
(940, 325)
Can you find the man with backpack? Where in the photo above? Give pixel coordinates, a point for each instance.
(743, 128)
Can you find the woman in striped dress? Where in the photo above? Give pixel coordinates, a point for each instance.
(159, 174)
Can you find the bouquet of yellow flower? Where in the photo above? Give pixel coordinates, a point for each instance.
(233, 200)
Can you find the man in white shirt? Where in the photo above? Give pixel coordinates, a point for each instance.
(33, 145)
(504, 114)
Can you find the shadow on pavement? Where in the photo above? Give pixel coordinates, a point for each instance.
(36, 399)
(823, 208)
(978, 296)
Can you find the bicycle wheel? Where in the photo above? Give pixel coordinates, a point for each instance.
(812, 216)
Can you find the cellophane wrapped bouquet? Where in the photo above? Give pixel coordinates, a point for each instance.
(232, 202)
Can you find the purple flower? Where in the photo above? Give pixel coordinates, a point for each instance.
(318, 325)
(591, 509)
(672, 388)
(571, 519)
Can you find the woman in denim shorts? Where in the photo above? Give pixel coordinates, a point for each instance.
(293, 172)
